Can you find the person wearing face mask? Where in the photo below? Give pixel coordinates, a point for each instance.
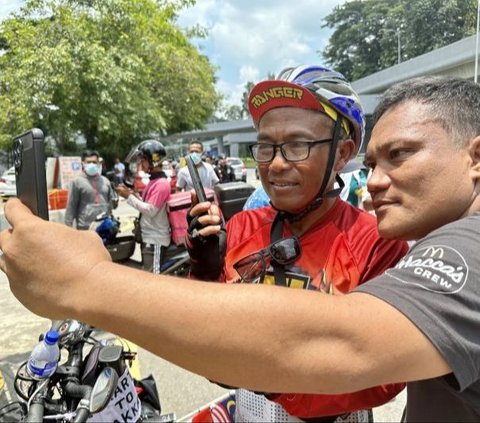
(205, 170)
(90, 193)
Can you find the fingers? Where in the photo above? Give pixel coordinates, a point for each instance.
(16, 211)
(210, 230)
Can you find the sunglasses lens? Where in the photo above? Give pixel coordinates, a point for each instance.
(285, 251)
(251, 267)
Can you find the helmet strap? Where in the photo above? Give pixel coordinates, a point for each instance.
(276, 234)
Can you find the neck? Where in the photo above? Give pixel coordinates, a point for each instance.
(310, 219)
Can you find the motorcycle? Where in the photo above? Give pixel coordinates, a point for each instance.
(122, 248)
(93, 384)
(230, 198)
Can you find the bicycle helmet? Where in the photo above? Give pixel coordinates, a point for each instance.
(151, 150)
(315, 88)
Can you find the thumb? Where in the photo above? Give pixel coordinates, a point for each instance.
(16, 211)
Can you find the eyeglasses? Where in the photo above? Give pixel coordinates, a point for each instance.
(284, 251)
(292, 151)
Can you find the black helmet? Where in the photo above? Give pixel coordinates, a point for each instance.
(151, 150)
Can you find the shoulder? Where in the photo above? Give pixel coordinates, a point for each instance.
(208, 166)
(160, 183)
(456, 242)
(182, 171)
(466, 228)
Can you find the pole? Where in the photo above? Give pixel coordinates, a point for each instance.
(476, 44)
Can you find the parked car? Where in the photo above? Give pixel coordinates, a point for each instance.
(238, 167)
(7, 183)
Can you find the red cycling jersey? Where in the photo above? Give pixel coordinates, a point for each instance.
(340, 251)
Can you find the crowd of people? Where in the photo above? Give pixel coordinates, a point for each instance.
(323, 310)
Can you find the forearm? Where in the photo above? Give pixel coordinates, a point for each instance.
(142, 206)
(169, 326)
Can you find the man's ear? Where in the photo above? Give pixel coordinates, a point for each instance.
(345, 151)
(474, 152)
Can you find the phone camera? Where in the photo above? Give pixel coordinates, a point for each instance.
(17, 154)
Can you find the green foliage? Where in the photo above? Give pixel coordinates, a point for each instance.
(112, 71)
(367, 32)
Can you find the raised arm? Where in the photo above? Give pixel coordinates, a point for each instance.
(325, 344)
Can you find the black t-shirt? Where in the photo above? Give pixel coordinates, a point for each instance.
(437, 286)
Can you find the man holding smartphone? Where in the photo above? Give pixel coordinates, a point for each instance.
(155, 227)
(310, 124)
(205, 170)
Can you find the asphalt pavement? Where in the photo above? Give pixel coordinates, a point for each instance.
(181, 392)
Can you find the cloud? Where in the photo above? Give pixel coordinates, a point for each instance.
(8, 6)
(249, 39)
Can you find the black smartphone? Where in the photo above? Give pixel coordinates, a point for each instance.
(30, 174)
(196, 181)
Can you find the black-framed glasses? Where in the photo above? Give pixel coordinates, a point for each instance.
(292, 151)
(284, 251)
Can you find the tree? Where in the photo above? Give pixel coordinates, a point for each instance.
(367, 32)
(114, 72)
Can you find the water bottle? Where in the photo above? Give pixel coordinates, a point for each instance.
(44, 358)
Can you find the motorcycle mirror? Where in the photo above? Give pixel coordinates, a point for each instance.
(101, 216)
(70, 331)
(103, 389)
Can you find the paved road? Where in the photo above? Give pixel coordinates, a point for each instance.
(181, 392)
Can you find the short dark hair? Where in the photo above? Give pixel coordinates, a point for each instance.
(454, 102)
(197, 143)
(89, 153)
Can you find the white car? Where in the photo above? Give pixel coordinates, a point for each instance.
(7, 183)
(238, 168)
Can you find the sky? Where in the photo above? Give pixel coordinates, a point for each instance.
(248, 39)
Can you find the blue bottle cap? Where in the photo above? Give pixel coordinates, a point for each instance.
(51, 337)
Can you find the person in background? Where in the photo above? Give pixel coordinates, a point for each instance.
(205, 170)
(355, 179)
(303, 143)
(225, 171)
(90, 193)
(154, 223)
(119, 171)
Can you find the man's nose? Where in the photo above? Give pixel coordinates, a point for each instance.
(278, 162)
(378, 180)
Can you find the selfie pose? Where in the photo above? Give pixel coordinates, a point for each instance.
(417, 322)
(310, 124)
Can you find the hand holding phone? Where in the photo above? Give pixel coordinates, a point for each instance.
(196, 181)
(30, 174)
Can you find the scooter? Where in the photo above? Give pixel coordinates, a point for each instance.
(92, 382)
(122, 248)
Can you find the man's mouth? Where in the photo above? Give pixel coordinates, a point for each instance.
(283, 184)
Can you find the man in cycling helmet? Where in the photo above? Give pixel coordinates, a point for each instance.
(310, 124)
(154, 223)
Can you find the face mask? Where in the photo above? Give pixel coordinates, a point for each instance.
(91, 169)
(196, 157)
